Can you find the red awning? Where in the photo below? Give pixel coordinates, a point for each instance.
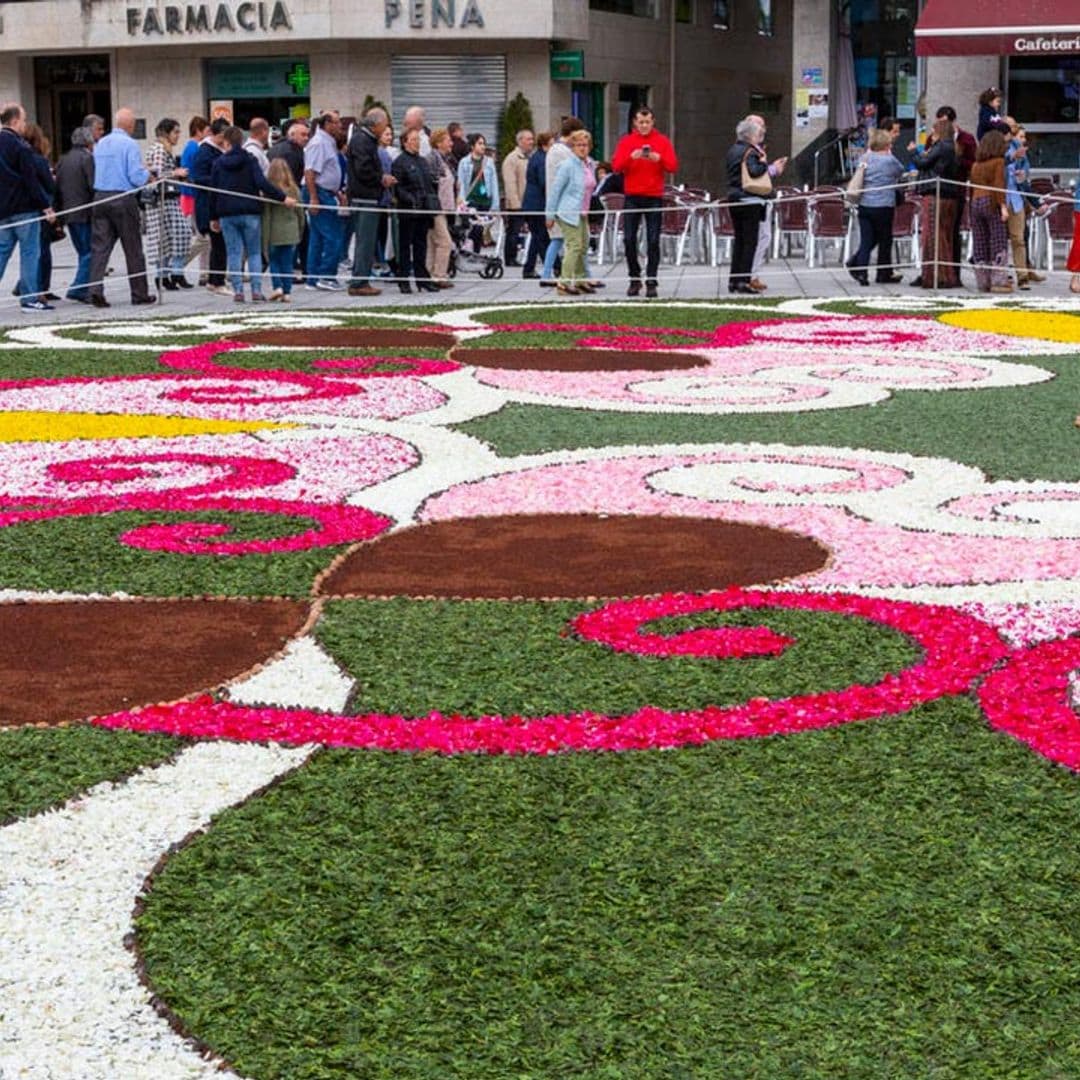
(1016, 27)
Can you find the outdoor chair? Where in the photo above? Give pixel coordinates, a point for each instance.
(607, 245)
(829, 222)
(721, 234)
(1057, 226)
(676, 227)
(905, 230)
(790, 220)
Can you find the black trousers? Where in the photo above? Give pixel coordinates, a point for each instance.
(632, 216)
(538, 241)
(112, 221)
(218, 259)
(875, 231)
(513, 238)
(412, 236)
(746, 217)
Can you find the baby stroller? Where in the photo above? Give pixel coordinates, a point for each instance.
(466, 255)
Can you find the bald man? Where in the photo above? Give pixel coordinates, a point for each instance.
(415, 120)
(118, 174)
(257, 141)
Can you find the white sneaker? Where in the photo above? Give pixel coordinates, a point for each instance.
(277, 294)
(328, 285)
(219, 290)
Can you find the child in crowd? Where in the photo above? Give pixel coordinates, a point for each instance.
(282, 227)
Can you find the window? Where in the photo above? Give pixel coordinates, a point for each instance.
(684, 11)
(1045, 91)
(721, 15)
(765, 104)
(765, 18)
(646, 9)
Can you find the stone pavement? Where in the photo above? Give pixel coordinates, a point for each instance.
(786, 278)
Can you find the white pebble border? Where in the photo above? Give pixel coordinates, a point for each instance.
(71, 1003)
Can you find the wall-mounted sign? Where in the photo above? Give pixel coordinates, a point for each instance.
(208, 18)
(221, 110)
(568, 64)
(246, 78)
(433, 14)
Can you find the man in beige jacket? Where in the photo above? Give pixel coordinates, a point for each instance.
(513, 177)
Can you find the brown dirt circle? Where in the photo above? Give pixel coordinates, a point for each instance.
(350, 337)
(570, 556)
(576, 359)
(67, 660)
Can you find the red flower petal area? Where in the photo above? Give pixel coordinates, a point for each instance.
(958, 648)
(1029, 699)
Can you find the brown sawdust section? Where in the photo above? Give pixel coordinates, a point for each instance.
(577, 359)
(65, 661)
(570, 556)
(350, 337)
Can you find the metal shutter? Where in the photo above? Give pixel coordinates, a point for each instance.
(469, 89)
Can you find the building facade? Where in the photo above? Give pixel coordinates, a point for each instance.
(701, 64)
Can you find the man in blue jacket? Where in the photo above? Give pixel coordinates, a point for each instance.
(236, 210)
(22, 203)
(201, 173)
(118, 174)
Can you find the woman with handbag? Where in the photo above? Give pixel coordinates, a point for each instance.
(881, 172)
(749, 185)
(168, 232)
(416, 196)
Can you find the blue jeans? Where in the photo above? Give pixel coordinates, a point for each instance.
(554, 250)
(243, 236)
(24, 230)
(366, 228)
(79, 231)
(325, 237)
(282, 257)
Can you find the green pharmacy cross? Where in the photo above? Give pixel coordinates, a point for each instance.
(299, 78)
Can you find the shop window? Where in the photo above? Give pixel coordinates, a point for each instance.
(587, 104)
(684, 11)
(765, 104)
(721, 15)
(645, 9)
(1045, 89)
(765, 18)
(630, 99)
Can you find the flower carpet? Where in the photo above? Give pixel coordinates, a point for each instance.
(678, 690)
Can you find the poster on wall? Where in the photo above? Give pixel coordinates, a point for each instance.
(221, 109)
(819, 103)
(812, 76)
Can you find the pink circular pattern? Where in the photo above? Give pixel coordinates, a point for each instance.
(957, 647)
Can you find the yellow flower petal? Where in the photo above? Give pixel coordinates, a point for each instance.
(1042, 325)
(60, 427)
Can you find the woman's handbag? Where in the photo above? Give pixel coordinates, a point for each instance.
(754, 185)
(856, 184)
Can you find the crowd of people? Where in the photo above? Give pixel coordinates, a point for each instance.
(391, 206)
(988, 173)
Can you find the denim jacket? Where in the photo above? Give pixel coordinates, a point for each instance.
(566, 196)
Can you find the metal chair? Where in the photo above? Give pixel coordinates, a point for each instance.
(905, 229)
(611, 232)
(790, 220)
(829, 221)
(721, 234)
(676, 226)
(1057, 226)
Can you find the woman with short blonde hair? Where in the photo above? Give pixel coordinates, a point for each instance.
(567, 202)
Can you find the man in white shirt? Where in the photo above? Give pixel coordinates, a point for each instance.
(322, 186)
(257, 141)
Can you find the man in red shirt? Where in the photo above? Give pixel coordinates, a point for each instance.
(643, 157)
